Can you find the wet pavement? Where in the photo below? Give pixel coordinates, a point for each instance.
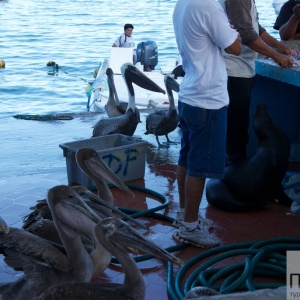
(32, 162)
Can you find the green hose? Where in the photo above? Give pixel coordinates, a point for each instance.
(262, 259)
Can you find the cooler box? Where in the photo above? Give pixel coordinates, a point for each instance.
(125, 155)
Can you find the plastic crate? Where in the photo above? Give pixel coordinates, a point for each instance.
(125, 155)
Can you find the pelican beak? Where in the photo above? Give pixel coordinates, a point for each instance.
(125, 236)
(3, 226)
(171, 84)
(131, 74)
(96, 204)
(111, 84)
(83, 208)
(100, 169)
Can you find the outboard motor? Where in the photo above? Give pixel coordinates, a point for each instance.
(147, 55)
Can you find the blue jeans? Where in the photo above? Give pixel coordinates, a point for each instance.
(203, 140)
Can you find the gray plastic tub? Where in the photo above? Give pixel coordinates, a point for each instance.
(125, 155)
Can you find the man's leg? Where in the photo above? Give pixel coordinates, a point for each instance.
(193, 193)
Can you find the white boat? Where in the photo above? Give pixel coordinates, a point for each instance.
(97, 92)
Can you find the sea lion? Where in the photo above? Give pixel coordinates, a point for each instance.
(251, 183)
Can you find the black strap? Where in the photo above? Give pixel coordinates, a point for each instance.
(178, 71)
(124, 40)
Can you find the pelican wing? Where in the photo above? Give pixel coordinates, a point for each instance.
(108, 126)
(19, 242)
(125, 124)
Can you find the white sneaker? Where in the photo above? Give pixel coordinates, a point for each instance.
(199, 237)
(180, 218)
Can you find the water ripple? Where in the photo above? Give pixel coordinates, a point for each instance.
(77, 35)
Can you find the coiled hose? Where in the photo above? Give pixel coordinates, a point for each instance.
(262, 259)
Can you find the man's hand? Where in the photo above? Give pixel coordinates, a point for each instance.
(283, 61)
(296, 11)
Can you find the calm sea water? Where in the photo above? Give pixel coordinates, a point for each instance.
(77, 35)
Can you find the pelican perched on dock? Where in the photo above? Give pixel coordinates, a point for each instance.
(93, 165)
(114, 107)
(44, 264)
(127, 123)
(116, 236)
(162, 122)
(40, 222)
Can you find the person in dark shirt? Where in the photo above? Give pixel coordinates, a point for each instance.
(288, 21)
(241, 72)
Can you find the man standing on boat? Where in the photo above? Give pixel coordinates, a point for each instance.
(202, 30)
(126, 39)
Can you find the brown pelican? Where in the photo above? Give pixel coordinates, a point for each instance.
(40, 222)
(114, 107)
(115, 235)
(101, 258)
(92, 164)
(96, 169)
(43, 263)
(162, 122)
(127, 123)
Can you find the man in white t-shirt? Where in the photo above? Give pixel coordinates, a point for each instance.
(126, 39)
(201, 29)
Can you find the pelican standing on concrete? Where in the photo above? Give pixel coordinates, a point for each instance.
(44, 264)
(162, 122)
(115, 235)
(127, 123)
(93, 165)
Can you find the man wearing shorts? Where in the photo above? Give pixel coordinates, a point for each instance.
(202, 29)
